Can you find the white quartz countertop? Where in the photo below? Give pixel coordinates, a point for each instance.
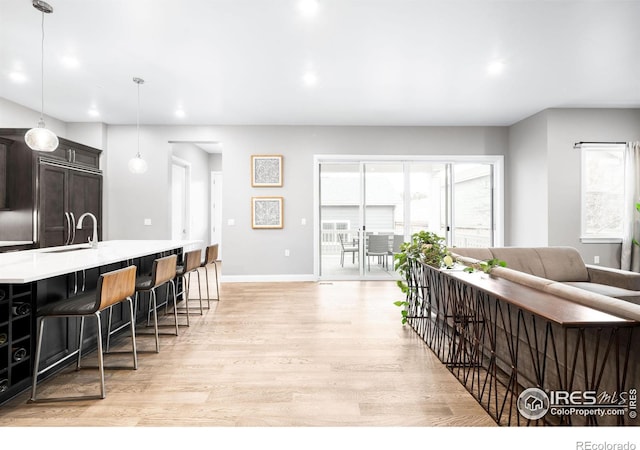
(13, 243)
(32, 265)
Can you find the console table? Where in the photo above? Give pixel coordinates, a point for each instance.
(500, 338)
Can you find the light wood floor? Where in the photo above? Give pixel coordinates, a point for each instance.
(272, 354)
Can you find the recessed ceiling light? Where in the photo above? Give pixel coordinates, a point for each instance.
(17, 77)
(310, 79)
(495, 67)
(308, 8)
(70, 62)
(93, 112)
(180, 113)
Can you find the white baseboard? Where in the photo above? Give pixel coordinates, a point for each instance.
(266, 278)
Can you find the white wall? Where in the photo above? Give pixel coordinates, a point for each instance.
(132, 198)
(215, 162)
(567, 126)
(542, 184)
(13, 115)
(261, 252)
(527, 200)
(93, 134)
(544, 176)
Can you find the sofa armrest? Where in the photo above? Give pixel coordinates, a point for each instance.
(614, 277)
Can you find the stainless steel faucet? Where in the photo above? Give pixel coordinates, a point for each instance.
(92, 240)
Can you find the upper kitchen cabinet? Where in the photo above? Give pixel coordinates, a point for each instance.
(47, 192)
(76, 154)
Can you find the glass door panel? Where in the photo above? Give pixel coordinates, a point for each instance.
(428, 198)
(384, 216)
(340, 213)
(472, 205)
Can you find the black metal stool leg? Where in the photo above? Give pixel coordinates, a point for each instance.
(36, 363)
(80, 340)
(155, 319)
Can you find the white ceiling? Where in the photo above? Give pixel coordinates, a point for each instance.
(377, 62)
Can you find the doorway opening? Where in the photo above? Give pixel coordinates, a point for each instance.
(180, 183)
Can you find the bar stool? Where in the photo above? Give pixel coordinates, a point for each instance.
(211, 257)
(162, 272)
(191, 264)
(113, 287)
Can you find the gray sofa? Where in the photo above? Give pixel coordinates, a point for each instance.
(561, 271)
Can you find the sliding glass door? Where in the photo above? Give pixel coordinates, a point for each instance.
(384, 216)
(340, 219)
(473, 205)
(367, 208)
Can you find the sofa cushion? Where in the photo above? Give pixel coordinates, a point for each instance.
(615, 277)
(521, 259)
(562, 264)
(481, 254)
(611, 291)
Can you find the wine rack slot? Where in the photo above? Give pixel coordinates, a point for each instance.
(20, 372)
(19, 309)
(20, 289)
(21, 327)
(19, 353)
(16, 323)
(4, 312)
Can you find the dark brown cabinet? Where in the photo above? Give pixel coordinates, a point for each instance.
(64, 195)
(48, 192)
(76, 154)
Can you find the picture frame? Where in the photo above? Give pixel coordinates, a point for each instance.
(266, 212)
(266, 170)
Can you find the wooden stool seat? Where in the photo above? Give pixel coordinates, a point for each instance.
(163, 272)
(113, 288)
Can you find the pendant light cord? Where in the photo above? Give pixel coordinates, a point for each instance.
(138, 120)
(42, 72)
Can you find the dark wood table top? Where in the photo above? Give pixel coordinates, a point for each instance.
(549, 306)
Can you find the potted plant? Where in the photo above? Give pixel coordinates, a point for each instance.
(425, 247)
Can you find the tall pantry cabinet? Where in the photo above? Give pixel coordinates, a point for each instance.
(66, 184)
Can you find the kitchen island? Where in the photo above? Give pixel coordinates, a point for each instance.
(31, 278)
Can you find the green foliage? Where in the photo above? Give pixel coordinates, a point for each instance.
(426, 247)
(486, 266)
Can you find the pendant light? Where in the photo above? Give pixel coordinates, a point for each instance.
(137, 164)
(40, 138)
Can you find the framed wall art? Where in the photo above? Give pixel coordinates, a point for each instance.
(266, 212)
(266, 170)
